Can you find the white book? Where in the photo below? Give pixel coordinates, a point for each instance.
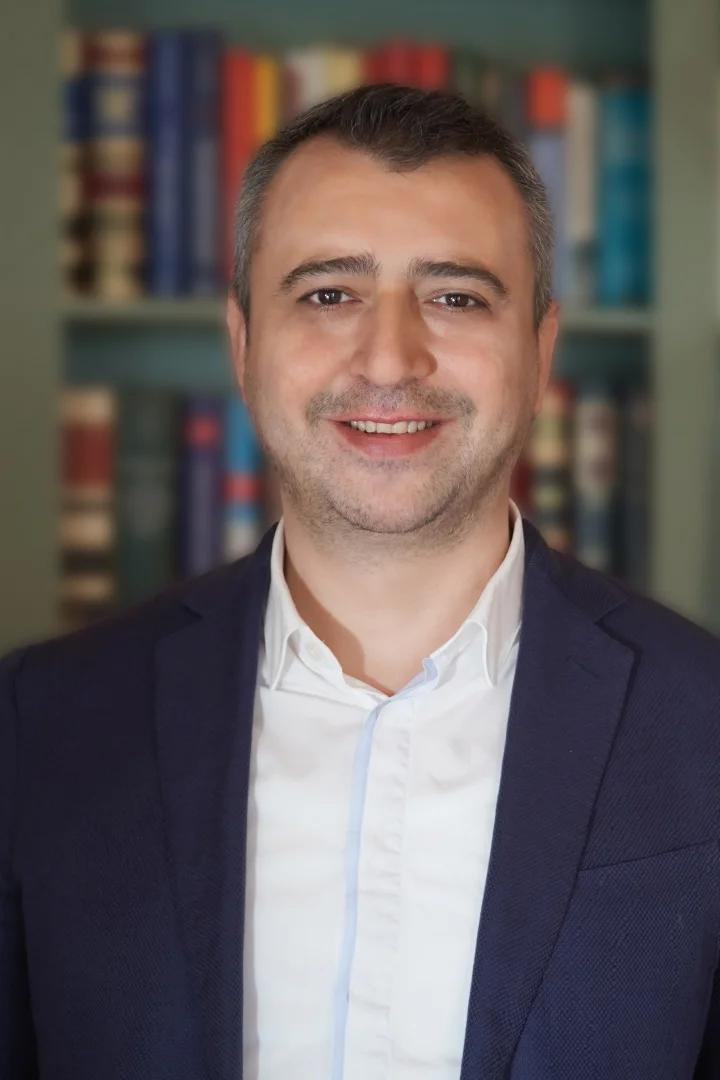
(306, 70)
(581, 218)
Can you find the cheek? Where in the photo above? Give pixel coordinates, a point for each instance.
(490, 373)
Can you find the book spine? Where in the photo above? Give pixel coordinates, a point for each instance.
(624, 256)
(167, 118)
(637, 430)
(550, 457)
(345, 69)
(201, 484)
(87, 518)
(74, 223)
(267, 98)
(374, 65)
(432, 67)
(512, 104)
(595, 477)
(238, 107)
(115, 180)
(244, 511)
(547, 142)
(307, 72)
(146, 491)
(581, 185)
(399, 62)
(203, 163)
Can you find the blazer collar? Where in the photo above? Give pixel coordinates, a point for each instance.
(570, 683)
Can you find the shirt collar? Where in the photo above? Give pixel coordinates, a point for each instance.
(485, 637)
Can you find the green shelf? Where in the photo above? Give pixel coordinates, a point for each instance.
(210, 312)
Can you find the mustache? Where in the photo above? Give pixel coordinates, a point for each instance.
(441, 403)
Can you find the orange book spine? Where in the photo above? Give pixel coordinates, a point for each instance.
(547, 89)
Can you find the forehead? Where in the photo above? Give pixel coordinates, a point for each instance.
(327, 196)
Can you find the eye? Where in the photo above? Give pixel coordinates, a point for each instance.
(326, 298)
(457, 301)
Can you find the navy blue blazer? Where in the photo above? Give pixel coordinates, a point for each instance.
(124, 755)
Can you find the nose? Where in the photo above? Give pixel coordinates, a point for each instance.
(393, 346)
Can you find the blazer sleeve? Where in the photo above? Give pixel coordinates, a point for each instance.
(18, 1059)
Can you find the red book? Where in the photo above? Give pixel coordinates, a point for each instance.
(374, 65)
(547, 89)
(87, 521)
(432, 67)
(239, 140)
(400, 62)
(394, 62)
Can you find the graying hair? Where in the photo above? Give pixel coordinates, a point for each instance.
(403, 127)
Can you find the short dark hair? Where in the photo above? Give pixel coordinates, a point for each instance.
(403, 127)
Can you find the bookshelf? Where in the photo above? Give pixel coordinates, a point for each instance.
(49, 339)
(79, 311)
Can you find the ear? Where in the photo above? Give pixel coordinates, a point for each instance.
(237, 332)
(546, 336)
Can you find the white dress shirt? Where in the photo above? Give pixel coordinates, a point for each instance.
(370, 821)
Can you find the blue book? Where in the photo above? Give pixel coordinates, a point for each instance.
(624, 252)
(548, 148)
(201, 484)
(244, 511)
(167, 126)
(203, 163)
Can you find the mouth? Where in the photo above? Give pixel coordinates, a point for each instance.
(385, 439)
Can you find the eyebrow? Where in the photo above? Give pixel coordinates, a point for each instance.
(366, 265)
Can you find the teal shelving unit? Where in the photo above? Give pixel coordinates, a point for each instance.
(181, 343)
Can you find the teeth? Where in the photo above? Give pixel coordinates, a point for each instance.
(401, 427)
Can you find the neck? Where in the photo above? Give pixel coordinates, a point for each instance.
(381, 616)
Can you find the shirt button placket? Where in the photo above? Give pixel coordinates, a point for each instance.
(368, 1042)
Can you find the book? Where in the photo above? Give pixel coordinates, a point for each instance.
(581, 164)
(550, 451)
(201, 484)
(87, 532)
(624, 252)
(168, 126)
(432, 66)
(343, 69)
(115, 175)
(547, 142)
(596, 475)
(146, 491)
(203, 210)
(75, 265)
(244, 510)
(238, 108)
(635, 487)
(306, 72)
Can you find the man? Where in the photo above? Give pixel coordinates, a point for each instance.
(403, 794)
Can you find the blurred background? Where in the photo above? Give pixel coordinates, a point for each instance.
(127, 461)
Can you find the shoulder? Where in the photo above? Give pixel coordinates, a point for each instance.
(118, 649)
(670, 645)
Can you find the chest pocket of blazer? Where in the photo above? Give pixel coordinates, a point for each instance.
(628, 984)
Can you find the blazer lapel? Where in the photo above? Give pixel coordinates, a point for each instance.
(570, 684)
(205, 686)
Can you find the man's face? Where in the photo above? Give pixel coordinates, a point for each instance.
(385, 297)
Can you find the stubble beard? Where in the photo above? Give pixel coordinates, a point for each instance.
(380, 516)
